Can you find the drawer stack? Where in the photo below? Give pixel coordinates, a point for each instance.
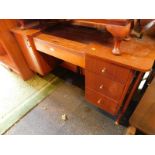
(106, 83)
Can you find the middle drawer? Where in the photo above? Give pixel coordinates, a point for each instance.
(111, 71)
(104, 85)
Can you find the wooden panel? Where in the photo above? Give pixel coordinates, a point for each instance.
(27, 53)
(12, 48)
(101, 101)
(54, 49)
(73, 39)
(134, 87)
(137, 54)
(143, 117)
(109, 80)
(6, 61)
(109, 70)
(104, 85)
(36, 61)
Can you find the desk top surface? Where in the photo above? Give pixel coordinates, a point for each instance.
(138, 54)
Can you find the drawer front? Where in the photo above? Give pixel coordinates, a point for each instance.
(101, 101)
(104, 85)
(59, 52)
(111, 71)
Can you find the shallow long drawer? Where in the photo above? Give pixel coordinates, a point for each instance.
(60, 48)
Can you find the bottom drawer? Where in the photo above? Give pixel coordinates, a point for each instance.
(101, 101)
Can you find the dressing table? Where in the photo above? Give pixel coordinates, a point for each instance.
(110, 80)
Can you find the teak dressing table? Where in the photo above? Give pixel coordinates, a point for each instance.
(110, 80)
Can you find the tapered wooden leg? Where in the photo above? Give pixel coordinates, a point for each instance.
(116, 123)
(127, 102)
(116, 49)
(131, 130)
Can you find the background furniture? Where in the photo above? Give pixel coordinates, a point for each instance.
(119, 28)
(10, 52)
(143, 118)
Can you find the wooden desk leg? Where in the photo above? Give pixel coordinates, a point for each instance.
(116, 49)
(131, 130)
(127, 102)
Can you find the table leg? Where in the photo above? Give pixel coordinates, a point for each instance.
(116, 49)
(127, 102)
(131, 130)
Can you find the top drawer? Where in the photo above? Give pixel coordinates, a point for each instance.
(60, 48)
(114, 72)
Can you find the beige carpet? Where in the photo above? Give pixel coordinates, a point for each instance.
(17, 97)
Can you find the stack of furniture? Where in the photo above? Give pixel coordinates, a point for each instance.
(110, 80)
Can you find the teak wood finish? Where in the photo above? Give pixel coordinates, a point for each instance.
(128, 100)
(91, 49)
(79, 40)
(104, 85)
(109, 80)
(11, 54)
(54, 46)
(101, 101)
(37, 62)
(137, 54)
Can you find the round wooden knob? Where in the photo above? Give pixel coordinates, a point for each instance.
(101, 86)
(52, 49)
(99, 101)
(93, 49)
(103, 70)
